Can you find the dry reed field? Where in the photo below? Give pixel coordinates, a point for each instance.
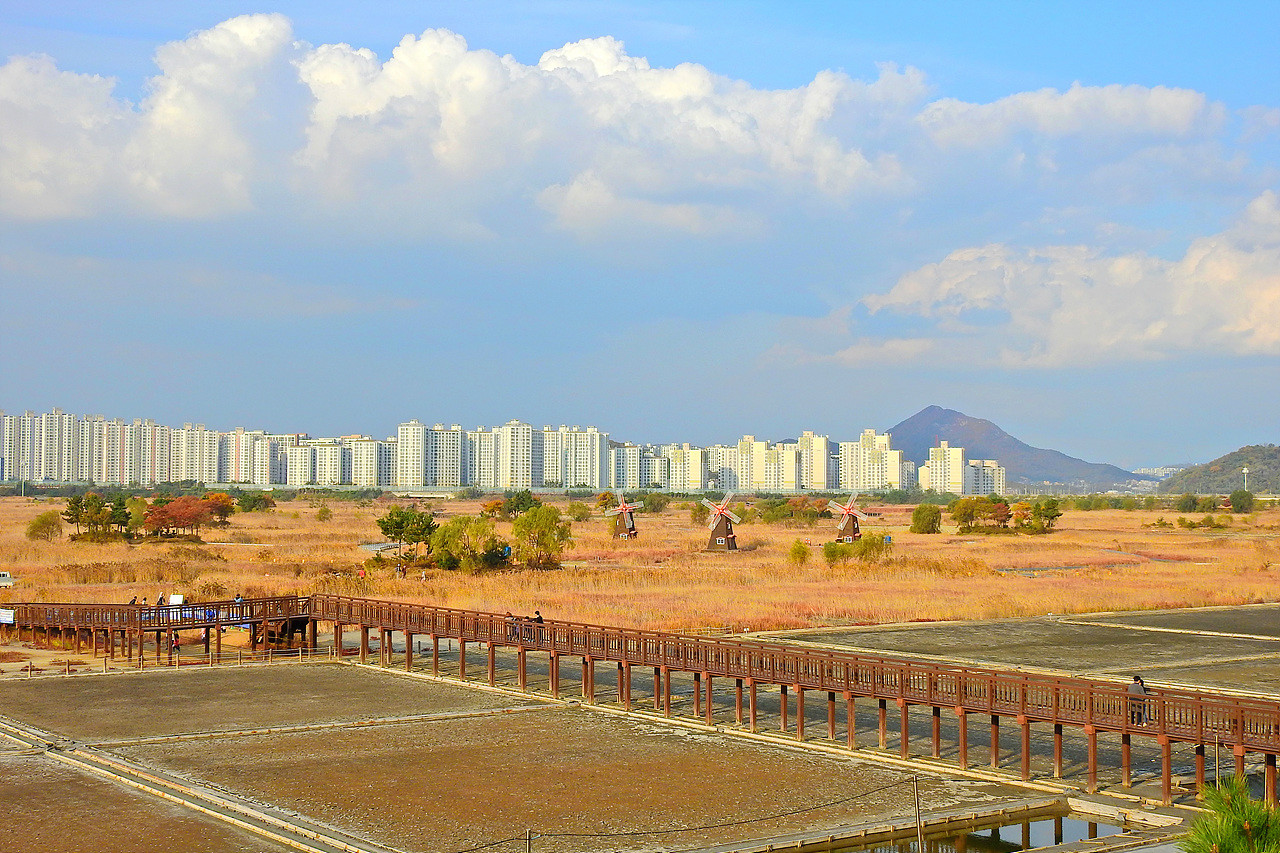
(1097, 560)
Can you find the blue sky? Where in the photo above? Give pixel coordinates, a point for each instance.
(674, 221)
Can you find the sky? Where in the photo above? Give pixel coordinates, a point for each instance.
(675, 221)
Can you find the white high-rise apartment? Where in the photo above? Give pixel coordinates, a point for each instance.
(983, 477)
(482, 458)
(945, 470)
(722, 467)
(575, 458)
(332, 464)
(446, 463)
(373, 463)
(54, 453)
(194, 454)
(686, 468)
(411, 455)
(869, 464)
(301, 462)
(519, 456)
(815, 459)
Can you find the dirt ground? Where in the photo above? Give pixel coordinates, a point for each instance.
(440, 785)
(50, 806)
(167, 702)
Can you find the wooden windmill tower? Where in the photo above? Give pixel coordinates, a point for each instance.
(721, 525)
(624, 522)
(847, 530)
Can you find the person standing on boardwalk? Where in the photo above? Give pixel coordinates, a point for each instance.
(1137, 691)
(537, 618)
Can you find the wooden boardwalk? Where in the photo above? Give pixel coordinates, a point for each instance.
(799, 675)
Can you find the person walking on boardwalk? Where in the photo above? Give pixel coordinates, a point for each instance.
(538, 620)
(1137, 691)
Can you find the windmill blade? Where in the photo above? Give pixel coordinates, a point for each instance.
(709, 505)
(732, 517)
(713, 521)
(728, 498)
(613, 511)
(628, 520)
(835, 507)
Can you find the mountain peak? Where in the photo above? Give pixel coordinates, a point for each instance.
(982, 439)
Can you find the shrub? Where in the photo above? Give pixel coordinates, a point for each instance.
(324, 514)
(799, 553)
(578, 511)
(1242, 501)
(926, 518)
(46, 526)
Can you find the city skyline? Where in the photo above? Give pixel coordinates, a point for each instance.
(691, 220)
(63, 447)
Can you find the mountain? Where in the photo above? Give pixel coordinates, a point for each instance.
(1223, 476)
(981, 439)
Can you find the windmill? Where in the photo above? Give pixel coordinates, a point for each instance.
(721, 525)
(847, 530)
(624, 522)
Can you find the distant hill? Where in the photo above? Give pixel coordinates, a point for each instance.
(981, 439)
(1222, 476)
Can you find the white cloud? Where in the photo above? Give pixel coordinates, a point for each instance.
(443, 139)
(61, 134)
(1063, 305)
(1102, 112)
(70, 148)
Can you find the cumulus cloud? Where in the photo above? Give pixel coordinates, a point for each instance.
(71, 148)
(1063, 305)
(1099, 111)
(442, 138)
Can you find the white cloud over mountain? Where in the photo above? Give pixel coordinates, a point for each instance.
(1058, 306)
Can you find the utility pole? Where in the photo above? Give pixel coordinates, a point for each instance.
(915, 788)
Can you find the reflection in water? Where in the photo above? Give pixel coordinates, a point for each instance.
(1007, 838)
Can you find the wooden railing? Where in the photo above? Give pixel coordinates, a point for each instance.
(1187, 716)
(175, 616)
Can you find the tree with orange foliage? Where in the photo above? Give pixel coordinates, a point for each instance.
(221, 505)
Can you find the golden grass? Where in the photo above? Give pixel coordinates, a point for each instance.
(665, 580)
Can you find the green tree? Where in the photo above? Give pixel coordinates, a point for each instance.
(1241, 501)
(699, 513)
(654, 502)
(926, 518)
(799, 553)
(1186, 503)
(469, 544)
(407, 526)
(518, 502)
(578, 511)
(1206, 504)
(137, 513)
(120, 513)
(1046, 513)
(1149, 503)
(74, 511)
(46, 526)
(606, 500)
(255, 502)
(541, 537)
(964, 513)
(1236, 822)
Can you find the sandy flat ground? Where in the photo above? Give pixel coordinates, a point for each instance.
(50, 806)
(446, 784)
